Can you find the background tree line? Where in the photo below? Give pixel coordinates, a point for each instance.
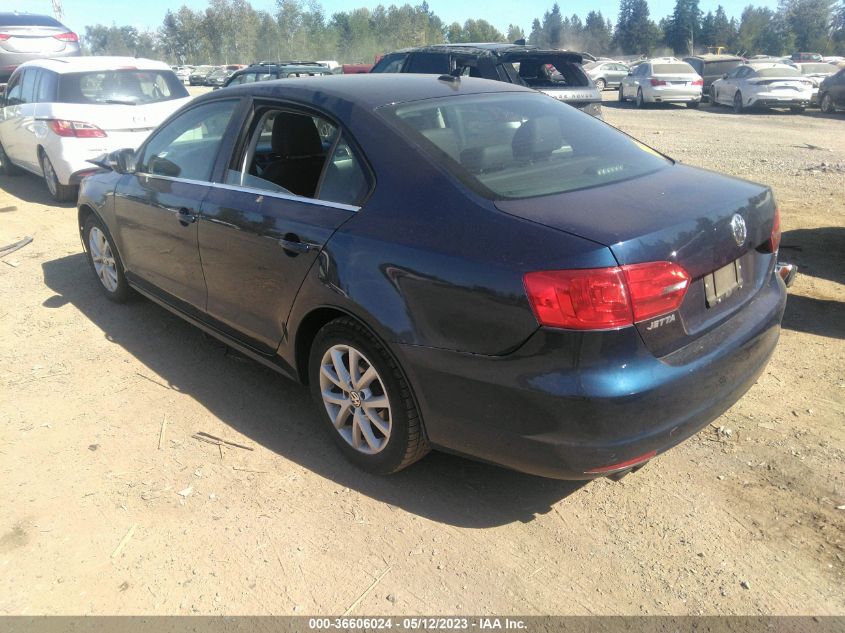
(232, 31)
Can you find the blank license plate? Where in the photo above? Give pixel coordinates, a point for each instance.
(721, 283)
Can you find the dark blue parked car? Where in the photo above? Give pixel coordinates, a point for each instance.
(450, 263)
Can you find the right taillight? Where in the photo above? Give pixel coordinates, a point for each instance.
(605, 298)
(774, 238)
(4, 37)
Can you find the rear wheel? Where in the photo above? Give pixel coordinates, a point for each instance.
(693, 104)
(364, 399)
(6, 166)
(827, 104)
(60, 192)
(738, 102)
(601, 84)
(640, 99)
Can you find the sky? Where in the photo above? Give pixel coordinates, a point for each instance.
(148, 14)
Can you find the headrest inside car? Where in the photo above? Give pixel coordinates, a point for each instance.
(489, 158)
(537, 138)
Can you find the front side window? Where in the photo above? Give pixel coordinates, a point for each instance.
(128, 86)
(521, 145)
(187, 147)
(28, 84)
(13, 90)
(429, 63)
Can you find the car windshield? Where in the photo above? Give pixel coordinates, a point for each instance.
(521, 145)
(818, 69)
(671, 69)
(778, 71)
(547, 72)
(128, 86)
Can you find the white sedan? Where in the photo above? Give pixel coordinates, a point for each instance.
(662, 80)
(764, 84)
(56, 114)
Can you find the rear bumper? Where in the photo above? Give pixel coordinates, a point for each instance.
(567, 403)
(779, 101)
(659, 94)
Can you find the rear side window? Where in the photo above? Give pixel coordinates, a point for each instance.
(698, 65)
(187, 147)
(521, 145)
(45, 90)
(28, 85)
(544, 74)
(128, 86)
(25, 19)
(428, 63)
(669, 69)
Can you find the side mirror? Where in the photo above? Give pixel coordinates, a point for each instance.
(725, 76)
(121, 161)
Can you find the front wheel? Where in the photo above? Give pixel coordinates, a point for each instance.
(60, 192)
(364, 399)
(713, 101)
(621, 94)
(104, 260)
(826, 104)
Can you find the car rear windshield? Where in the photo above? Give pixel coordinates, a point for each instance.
(128, 86)
(521, 145)
(671, 69)
(780, 71)
(26, 19)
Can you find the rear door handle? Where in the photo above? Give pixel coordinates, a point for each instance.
(186, 217)
(294, 246)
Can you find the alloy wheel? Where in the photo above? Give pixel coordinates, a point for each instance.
(601, 84)
(355, 399)
(103, 258)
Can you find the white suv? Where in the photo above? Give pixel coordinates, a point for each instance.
(58, 113)
(662, 80)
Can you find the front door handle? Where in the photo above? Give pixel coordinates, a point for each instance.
(186, 217)
(293, 246)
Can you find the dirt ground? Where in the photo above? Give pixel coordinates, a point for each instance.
(102, 513)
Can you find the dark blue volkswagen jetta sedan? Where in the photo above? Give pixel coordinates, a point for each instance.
(450, 263)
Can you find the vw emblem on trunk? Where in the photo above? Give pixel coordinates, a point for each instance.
(738, 229)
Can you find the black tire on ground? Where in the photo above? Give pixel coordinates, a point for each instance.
(6, 167)
(693, 104)
(407, 442)
(640, 101)
(826, 104)
(738, 102)
(122, 292)
(621, 95)
(60, 192)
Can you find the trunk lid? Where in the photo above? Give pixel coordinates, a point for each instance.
(32, 39)
(676, 214)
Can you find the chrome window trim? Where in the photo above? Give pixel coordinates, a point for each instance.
(260, 192)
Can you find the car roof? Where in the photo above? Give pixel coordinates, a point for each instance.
(712, 57)
(63, 65)
(493, 48)
(369, 91)
(759, 65)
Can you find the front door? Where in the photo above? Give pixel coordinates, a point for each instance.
(261, 230)
(157, 206)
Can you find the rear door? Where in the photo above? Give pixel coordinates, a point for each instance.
(157, 206)
(294, 182)
(22, 149)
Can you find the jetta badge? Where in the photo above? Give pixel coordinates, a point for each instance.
(738, 229)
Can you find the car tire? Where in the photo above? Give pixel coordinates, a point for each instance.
(60, 192)
(621, 95)
(826, 104)
(348, 367)
(104, 260)
(693, 104)
(6, 166)
(640, 100)
(738, 108)
(713, 101)
(797, 109)
(601, 84)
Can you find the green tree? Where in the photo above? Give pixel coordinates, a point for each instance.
(635, 31)
(553, 27)
(810, 21)
(684, 27)
(515, 33)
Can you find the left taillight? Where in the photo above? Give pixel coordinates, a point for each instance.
(657, 82)
(773, 244)
(77, 129)
(698, 82)
(70, 36)
(605, 298)
(4, 37)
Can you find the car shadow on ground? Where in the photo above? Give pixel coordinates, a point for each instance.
(30, 188)
(279, 414)
(818, 253)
